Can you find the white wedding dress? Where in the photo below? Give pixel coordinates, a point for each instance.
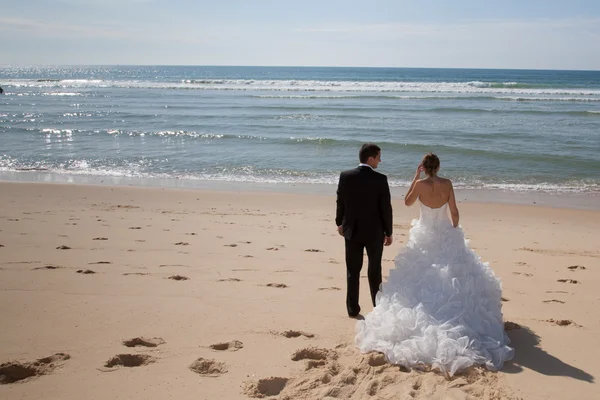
(441, 305)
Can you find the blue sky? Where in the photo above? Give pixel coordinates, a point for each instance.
(388, 33)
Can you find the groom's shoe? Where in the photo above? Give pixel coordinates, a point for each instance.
(354, 314)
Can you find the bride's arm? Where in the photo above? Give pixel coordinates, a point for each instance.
(413, 192)
(453, 207)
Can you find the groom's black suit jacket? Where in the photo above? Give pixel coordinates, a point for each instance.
(364, 208)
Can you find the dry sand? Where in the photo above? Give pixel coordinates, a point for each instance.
(143, 293)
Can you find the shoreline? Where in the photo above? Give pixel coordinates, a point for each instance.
(575, 201)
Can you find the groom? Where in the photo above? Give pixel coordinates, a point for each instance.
(364, 219)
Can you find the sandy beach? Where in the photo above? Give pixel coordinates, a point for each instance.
(147, 293)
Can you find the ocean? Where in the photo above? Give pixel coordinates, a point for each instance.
(527, 131)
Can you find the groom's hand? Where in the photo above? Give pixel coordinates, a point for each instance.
(388, 240)
(341, 230)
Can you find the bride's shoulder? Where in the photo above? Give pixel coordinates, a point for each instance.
(445, 181)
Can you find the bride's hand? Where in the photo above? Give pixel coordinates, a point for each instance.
(420, 169)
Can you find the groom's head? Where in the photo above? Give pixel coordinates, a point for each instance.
(370, 154)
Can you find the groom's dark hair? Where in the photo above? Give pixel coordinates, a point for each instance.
(368, 150)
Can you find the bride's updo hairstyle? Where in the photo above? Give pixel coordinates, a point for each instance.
(431, 163)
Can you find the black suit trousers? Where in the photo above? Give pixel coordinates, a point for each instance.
(354, 261)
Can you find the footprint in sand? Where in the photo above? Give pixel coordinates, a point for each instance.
(85, 271)
(247, 256)
(415, 386)
(100, 262)
(576, 267)
(11, 372)
(295, 334)
(504, 299)
(191, 233)
(234, 345)
(330, 288)
(402, 226)
(594, 254)
(521, 263)
(273, 249)
(129, 360)
(48, 267)
(143, 342)
(135, 227)
(229, 280)
(561, 322)
(376, 360)
(230, 245)
(1, 245)
(23, 262)
(574, 281)
(136, 273)
(179, 278)
(277, 285)
(126, 206)
(554, 301)
(265, 387)
(523, 273)
(63, 247)
(313, 353)
(100, 238)
(457, 383)
(373, 388)
(172, 265)
(182, 244)
(314, 251)
(207, 367)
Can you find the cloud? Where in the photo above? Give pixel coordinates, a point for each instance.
(376, 29)
(103, 3)
(430, 29)
(94, 30)
(34, 27)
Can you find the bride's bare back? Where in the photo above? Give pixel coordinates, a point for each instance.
(433, 191)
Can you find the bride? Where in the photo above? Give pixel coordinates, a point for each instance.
(441, 305)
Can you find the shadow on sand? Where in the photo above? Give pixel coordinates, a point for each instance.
(528, 354)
